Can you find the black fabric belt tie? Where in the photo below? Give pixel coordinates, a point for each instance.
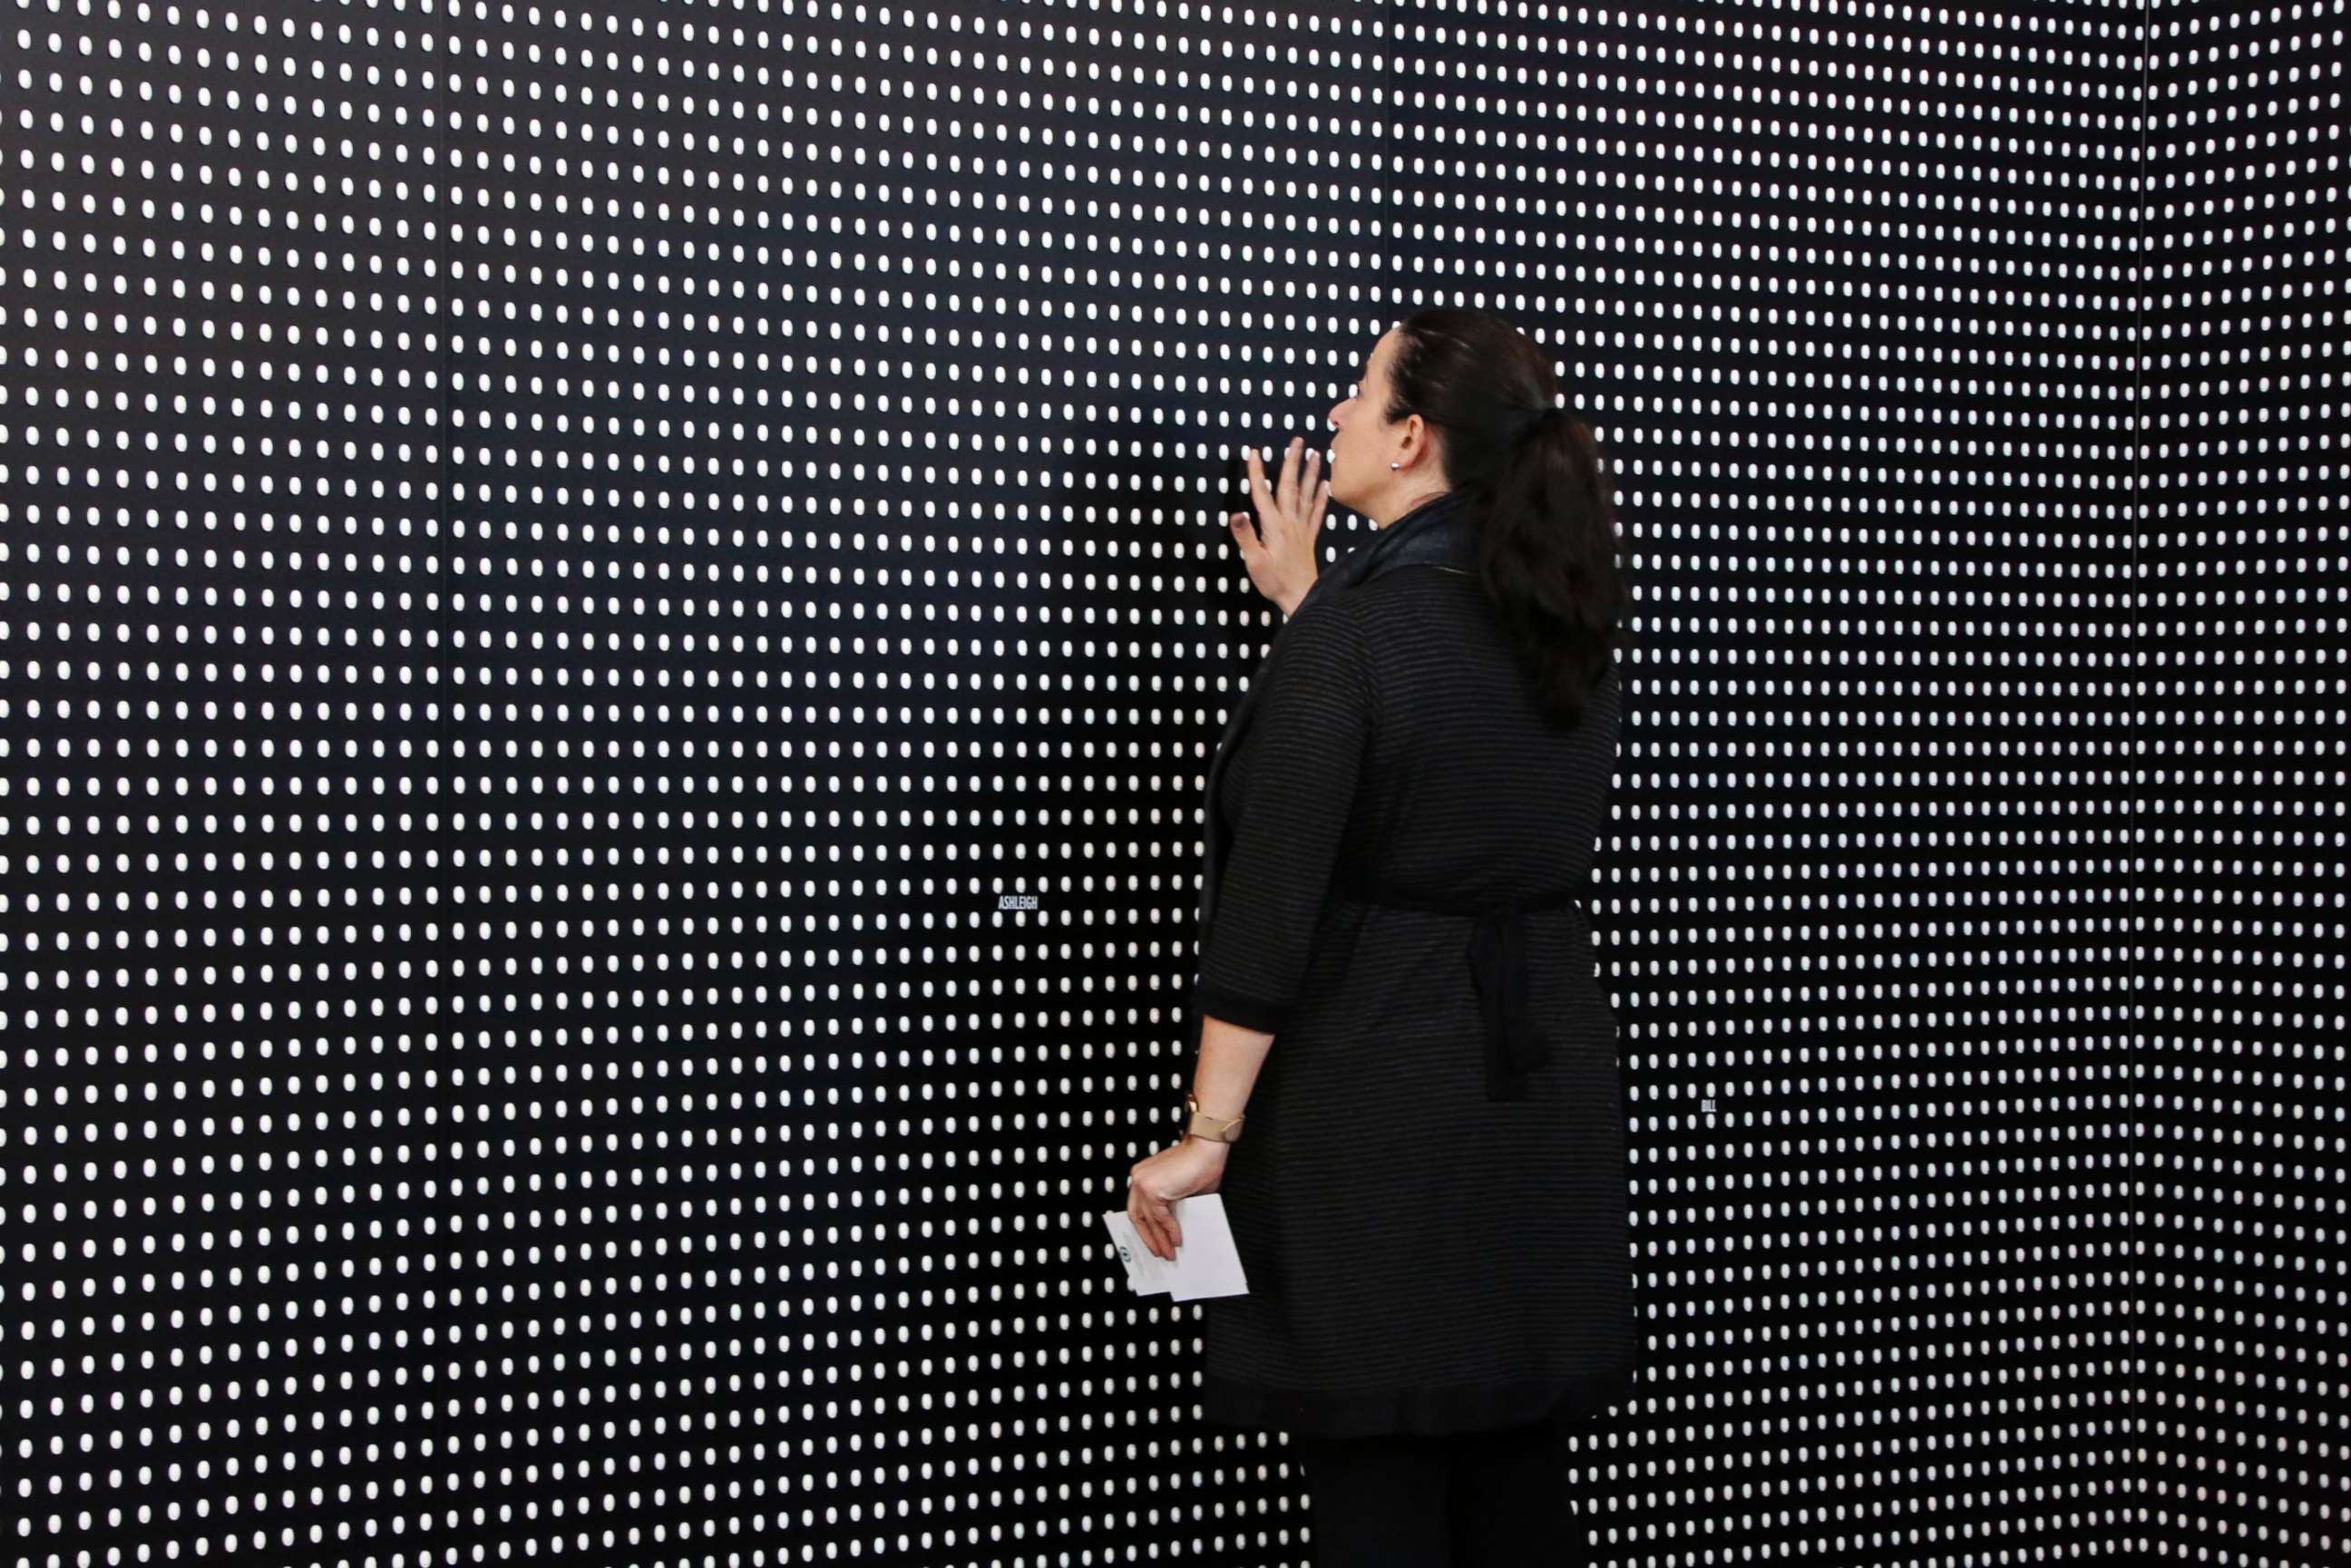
(1515, 1044)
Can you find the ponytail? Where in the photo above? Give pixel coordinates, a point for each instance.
(1550, 555)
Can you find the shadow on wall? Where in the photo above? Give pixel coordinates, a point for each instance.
(1053, 752)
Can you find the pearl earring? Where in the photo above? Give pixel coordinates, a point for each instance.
(1396, 465)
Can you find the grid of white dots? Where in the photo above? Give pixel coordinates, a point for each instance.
(2238, 1283)
(609, 625)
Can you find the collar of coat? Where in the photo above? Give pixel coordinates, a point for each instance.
(1441, 531)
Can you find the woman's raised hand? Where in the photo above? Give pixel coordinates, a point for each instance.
(1279, 552)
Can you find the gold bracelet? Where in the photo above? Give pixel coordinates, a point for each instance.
(1215, 1129)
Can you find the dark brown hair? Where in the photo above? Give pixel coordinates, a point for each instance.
(1550, 553)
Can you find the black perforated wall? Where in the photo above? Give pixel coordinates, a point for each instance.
(611, 626)
(2240, 1156)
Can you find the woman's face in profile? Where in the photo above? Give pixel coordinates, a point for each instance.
(1365, 443)
(1359, 455)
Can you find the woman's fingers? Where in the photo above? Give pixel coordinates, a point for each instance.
(1138, 1210)
(1154, 1219)
(1282, 507)
(1297, 471)
(1146, 1225)
(1268, 505)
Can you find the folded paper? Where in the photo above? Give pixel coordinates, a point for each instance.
(1206, 1264)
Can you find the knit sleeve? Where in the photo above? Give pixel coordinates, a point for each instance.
(1307, 741)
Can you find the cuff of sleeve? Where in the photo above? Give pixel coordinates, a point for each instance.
(1265, 1017)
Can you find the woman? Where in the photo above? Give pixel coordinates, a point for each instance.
(1430, 1197)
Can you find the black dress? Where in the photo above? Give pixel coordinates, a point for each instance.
(1433, 1221)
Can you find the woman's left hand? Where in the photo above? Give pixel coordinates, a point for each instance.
(1179, 1170)
(1280, 549)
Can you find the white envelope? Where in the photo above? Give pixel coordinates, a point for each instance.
(1206, 1265)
